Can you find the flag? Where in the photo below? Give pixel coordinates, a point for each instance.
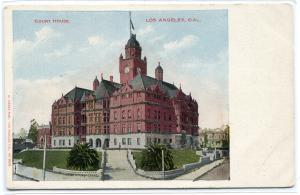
(131, 24)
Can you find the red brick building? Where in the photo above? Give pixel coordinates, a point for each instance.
(42, 131)
(131, 114)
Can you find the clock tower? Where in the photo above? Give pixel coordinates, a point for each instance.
(132, 64)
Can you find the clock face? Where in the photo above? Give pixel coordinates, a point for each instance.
(126, 70)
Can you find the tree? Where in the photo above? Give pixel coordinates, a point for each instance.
(152, 158)
(33, 132)
(22, 133)
(83, 157)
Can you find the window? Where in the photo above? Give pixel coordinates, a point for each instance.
(54, 142)
(139, 126)
(115, 115)
(106, 129)
(63, 143)
(138, 141)
(123, 141)
(155, 114)
(129, 114)
(63, 120)
(123, 128)
(129, 141)
(123, 114)
(106, 117)
(138, 114)
(170, 141)
(115, 141)
(129, 128)
(148, 113)
(158, 115)
(69, 142)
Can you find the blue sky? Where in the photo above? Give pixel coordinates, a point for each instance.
(50, 59)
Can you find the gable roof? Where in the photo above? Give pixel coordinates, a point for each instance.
(106, 88)
(144, 82)
(76, 93)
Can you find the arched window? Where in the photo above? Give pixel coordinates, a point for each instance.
(98, 142)
(123, 114)
(129, 114)
(91, 142)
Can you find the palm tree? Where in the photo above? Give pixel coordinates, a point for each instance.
(152, 158)
(83, 157)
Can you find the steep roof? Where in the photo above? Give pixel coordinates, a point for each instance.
(143, 82)
(76, 93)
(106, 88)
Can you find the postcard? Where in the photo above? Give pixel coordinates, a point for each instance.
(168, 95)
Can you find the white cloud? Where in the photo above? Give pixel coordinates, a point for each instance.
(186, 41)
(46, 33)
(59, 52)
(143, 31)
(42, 37)
(95, 40)
(22, 45)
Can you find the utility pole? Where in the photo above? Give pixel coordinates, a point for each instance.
(163, 163)
(44, 160)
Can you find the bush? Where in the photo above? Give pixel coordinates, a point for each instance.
(83, 157)
(152, 158)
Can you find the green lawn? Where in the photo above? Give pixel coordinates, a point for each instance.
(180, 157)
(53, 158)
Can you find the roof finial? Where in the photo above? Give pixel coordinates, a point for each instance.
(101, 76)
(180, 86)
(158, 63)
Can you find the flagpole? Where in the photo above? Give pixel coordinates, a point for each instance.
(130, 23)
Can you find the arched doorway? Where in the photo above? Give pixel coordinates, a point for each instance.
(91, 142)
(106, 143)
(98, 142)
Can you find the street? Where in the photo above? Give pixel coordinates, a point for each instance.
(220, 172)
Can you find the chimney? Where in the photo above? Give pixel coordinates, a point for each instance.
(111, 78)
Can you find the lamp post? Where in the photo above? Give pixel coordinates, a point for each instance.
(163, 163)
(44, 159)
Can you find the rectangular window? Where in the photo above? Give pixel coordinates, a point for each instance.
(123, 141)
(138, 141)
(69, 142)
(63, 143)
(129, 141)
(129, 128)
(115, 141)
(54, 143)
(139, 127)
(123, 128)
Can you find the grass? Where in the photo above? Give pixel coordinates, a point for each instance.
(53, 158)
(180, 157)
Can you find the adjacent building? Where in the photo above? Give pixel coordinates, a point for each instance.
(215, 138)
(136, 111)
(44, 130)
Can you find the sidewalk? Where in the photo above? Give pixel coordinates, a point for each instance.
(118, 167)
(197, 173)
(37, 174)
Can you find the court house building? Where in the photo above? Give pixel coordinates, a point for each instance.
(136, 111)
